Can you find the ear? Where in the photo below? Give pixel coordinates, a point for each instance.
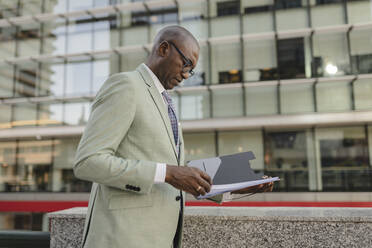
(163, 49)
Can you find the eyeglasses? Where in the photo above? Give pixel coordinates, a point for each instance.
(188, 62)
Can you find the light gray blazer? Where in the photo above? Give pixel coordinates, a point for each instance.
(128, 132)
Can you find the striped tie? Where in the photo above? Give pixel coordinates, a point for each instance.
(172, 117)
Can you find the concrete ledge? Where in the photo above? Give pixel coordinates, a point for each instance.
(247, 227)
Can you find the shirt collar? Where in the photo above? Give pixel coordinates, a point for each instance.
(156, 80)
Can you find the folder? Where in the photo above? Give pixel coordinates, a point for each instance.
(230, 173)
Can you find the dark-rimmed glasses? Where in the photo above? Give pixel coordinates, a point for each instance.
(188, 62)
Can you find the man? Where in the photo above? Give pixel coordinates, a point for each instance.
(132, 149)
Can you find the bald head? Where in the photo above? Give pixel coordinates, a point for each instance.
(174, 55)
(175, 34)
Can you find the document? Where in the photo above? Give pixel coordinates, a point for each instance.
(220, 189)
(230, 173)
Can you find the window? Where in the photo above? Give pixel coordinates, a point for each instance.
(157, 16)
(26, 79)
(344, 158)
(199, 145)
(260, 60)
(320, 2)
(195, 105)
(361, 51)
(227, 102)
(226, 63)
(232, 76)
(291, 58)
(285, 4)
(286, 157)
(258, 11)
(330, 58)
(228, 8)
(362, 63)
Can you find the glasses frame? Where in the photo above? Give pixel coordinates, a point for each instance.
(187, 61)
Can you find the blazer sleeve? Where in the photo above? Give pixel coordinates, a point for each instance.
(111, 116)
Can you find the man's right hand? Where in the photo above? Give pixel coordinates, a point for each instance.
(189, 179)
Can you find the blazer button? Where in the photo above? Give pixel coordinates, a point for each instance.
(178, 198)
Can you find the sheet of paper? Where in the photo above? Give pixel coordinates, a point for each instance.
(220, 189)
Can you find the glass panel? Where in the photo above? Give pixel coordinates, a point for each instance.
(106, 32)
(80, 32)
(63, 177)
(321, 10)
(56, 6)
(33, 170)
(198, 28)
(296, 98)
(52, 78)
(361, 50)
(192, 16)
(261, 100)
(260, 60)
(287, 11)
(78, 78)
(195, 105)
(76, 113)
(130, 60)
(201, 76)
(294, 58)
(27, 77)
(226, 25)
(362, 94)
(199, 145)
(50, 114)
(101, 71)
(104, 3)
(7, 165)
(286, 157)
(359, 11)
(74, 5)
(7, 42)
(330, 56)
(28, 38)
(257, 11)
(24, 114)
(228, 22)
(333, 96)
(242, 141)
(6, 79)
(344, 159)
(5, 116)
(8, 8)
(226, 63)
(54, 37)
(30, 7)
(227, 102)
(138, 35)
(224, 8)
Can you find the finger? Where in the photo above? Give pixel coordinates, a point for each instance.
(204, 184)
(206, 177)
(199, 190)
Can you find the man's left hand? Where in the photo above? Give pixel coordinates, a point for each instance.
(265, 187)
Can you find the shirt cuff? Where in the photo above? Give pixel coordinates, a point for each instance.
(161, 170)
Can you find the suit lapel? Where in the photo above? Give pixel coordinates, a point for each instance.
(159, 103)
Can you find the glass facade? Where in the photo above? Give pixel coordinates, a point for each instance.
(259, 59)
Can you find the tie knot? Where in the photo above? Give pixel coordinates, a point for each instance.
(167, 97)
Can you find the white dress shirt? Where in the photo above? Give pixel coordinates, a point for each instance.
(161, 168)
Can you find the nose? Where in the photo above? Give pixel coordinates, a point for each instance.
(185, 75)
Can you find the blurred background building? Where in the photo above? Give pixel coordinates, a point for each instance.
(289, 80)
